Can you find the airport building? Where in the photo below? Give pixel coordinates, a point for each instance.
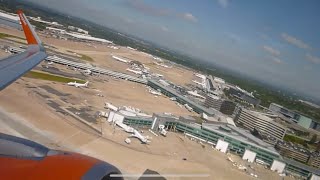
(314, 160)
(315, 125)
(236, 140)
(242, 96)
(239, 140)
(300, 169)
(304, 121)
(254, 120)
(294, 116)
(295, 153)
(213, 101)
(138, 122)
(227, 107)
(170, 92)
(282, 110)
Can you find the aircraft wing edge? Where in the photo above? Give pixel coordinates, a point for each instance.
(13, 67)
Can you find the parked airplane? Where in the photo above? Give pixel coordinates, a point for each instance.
(136, 134)
(173, 99)
(188, 107)
(125, 127)
(157, 75)
(154, 92)
(78, 84)
(110, 106)
(163, 65)
(120, 59)
(24, 159)
(134, 71)
(87, 72)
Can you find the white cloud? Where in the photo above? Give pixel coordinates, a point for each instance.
(223, 3)
(271, 50)
(277, 60)
(295, 41)
(264, 36)
(232, 36)
(164, 28)
(145, 8)
(128, 20)
(313, 59)
(189, 17)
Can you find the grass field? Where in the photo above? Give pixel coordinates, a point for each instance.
(86, 58)
(294, 139)
(81, 56)
(12, 38)
(51, 77)
(4, 35)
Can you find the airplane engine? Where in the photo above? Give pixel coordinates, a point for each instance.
(24, 159)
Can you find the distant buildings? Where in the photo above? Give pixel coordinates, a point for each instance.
(314, 160)
(238, 141)
(225, 106)
(299, 154)
(228, 107)
(172, 93)
(213, 101)
(38, 19)
(295, 117)
(282, 110)
(291, 152)
(265, 125)
(242, 95)
(78, 30)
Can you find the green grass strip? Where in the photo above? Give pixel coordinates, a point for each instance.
(51, 77)
(4, 35)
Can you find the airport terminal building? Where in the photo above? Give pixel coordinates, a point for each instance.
(170, 92)
(238, 141)
(295, 117)
(254, 120)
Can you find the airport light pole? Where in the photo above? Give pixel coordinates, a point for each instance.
(101, 123)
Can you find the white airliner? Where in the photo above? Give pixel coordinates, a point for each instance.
(154, 92)
(110, 106)
(163, 65)
(119, 59)
(78, 84)
(157, 75)
(188, 107)
(136, 134)
(87, 72)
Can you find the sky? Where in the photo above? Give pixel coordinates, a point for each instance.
(275, 41)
